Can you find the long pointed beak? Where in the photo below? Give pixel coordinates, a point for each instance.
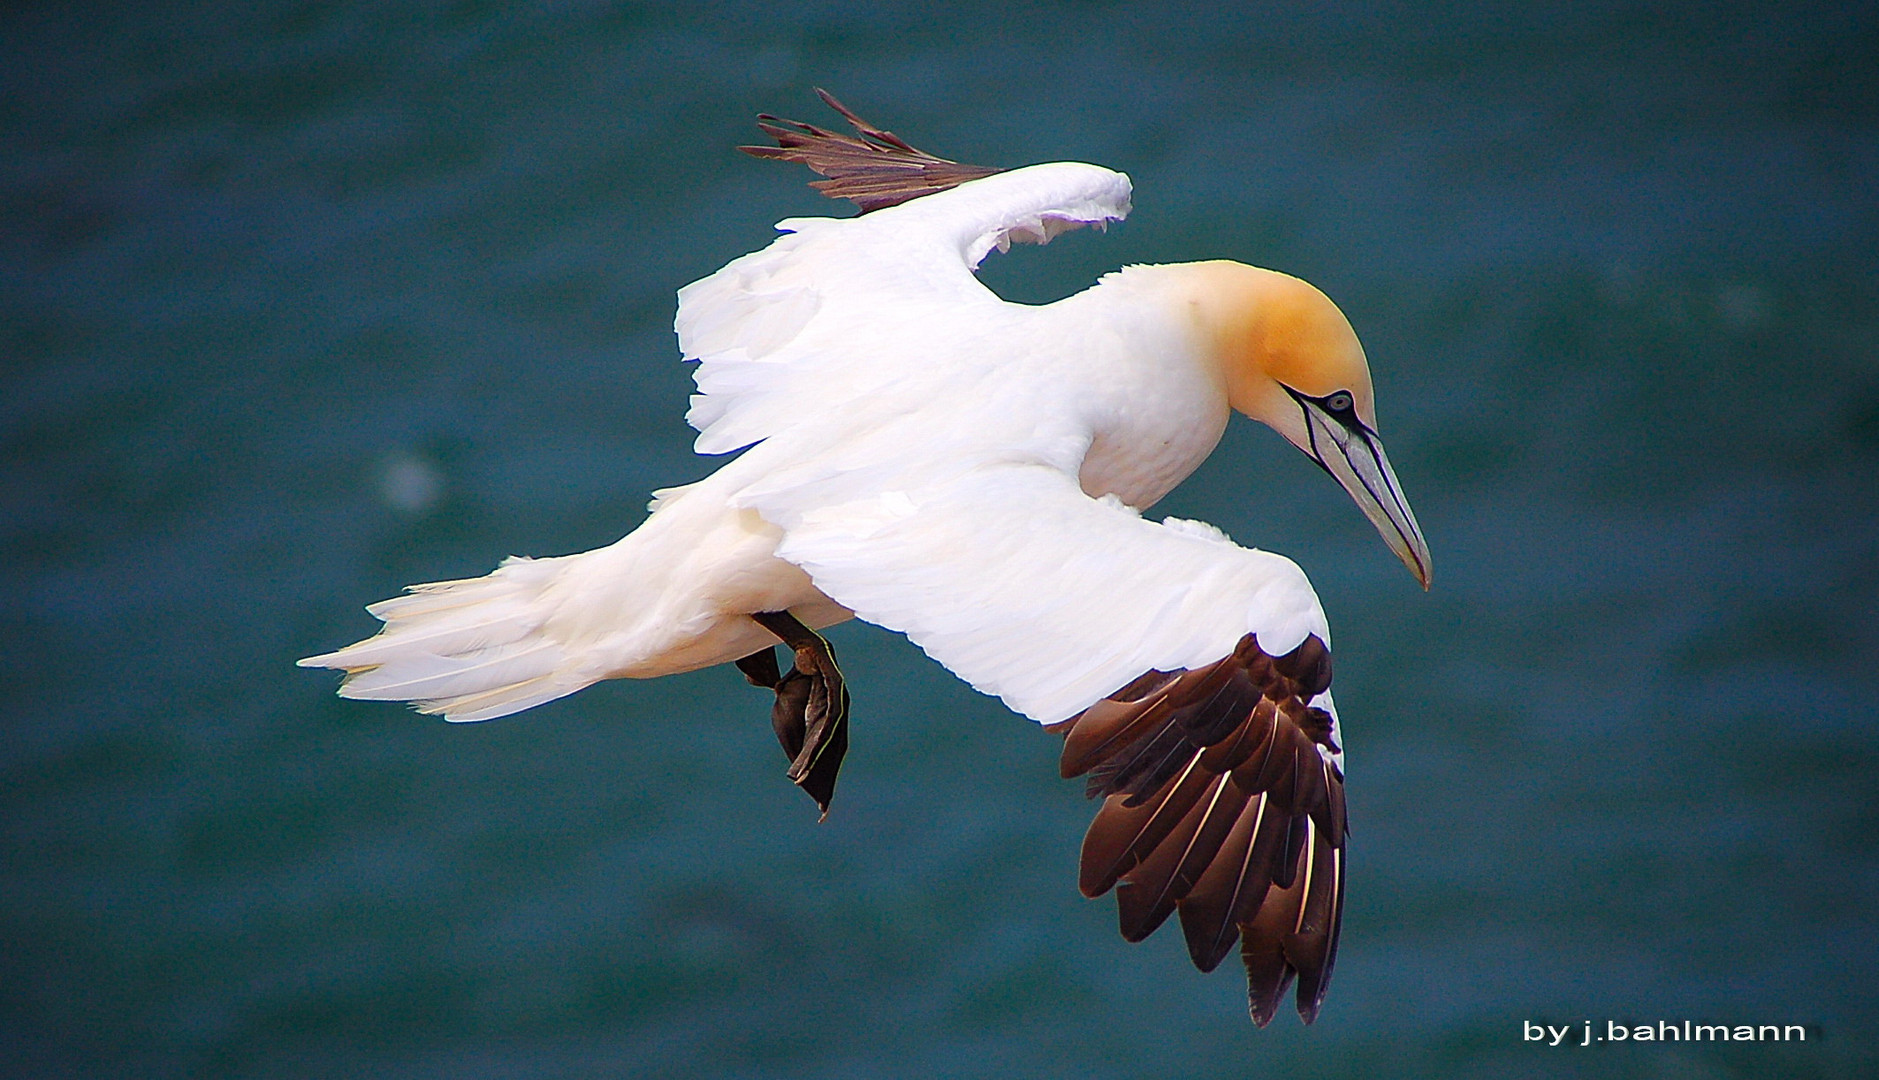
(1352, 453)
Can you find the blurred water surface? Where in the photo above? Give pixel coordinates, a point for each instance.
(303, 302)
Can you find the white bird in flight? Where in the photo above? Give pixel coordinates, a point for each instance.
(925, 456)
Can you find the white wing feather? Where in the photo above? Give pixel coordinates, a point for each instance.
(1019, 583)
(794, 329)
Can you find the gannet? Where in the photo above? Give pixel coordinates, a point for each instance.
(923, 455)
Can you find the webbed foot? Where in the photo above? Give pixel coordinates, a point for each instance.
(811, 711)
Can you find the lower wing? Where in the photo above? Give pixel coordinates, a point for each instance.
(1193, 673)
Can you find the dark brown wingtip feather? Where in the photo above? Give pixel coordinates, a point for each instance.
(874, 168)
(1267, 974)
(1236, 885)
(1143, 896)
(1206, 910)
(1308, 666)
(1104, 729)
(1222, 805)
(1163, 879)
(866, 130)
(1264, 941)
(1311, 948)
(1122, 835)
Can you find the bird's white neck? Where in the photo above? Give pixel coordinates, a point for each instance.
(1159, 406)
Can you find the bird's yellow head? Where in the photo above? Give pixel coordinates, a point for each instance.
(1288, 358)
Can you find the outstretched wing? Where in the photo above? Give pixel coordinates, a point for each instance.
(838, 308)
(1195, 675)
(874, 168)
(1022, 585)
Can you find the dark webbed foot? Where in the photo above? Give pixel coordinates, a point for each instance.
(811, 711)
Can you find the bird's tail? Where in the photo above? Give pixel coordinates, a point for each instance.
(469, 650)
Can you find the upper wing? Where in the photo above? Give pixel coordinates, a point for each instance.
(838, 308)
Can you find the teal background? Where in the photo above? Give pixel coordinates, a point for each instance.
(303, 302)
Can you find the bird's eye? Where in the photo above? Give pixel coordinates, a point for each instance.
(1338, 402)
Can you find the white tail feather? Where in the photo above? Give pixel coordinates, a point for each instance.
(488, 706)
(444, 638)
(469, 650)
(421, 675)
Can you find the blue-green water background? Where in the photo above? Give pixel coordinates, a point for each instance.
(302, 302)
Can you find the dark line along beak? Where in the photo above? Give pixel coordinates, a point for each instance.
(1352, 453)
